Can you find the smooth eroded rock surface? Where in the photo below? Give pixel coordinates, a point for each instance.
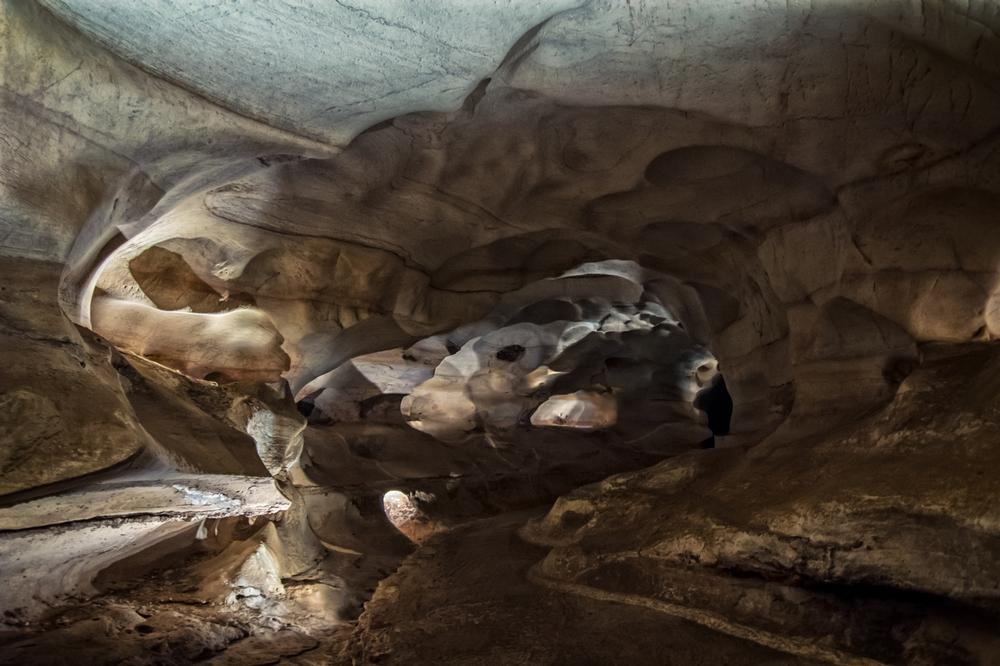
(303, 305)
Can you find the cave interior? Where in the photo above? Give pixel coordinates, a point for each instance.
(574, 332)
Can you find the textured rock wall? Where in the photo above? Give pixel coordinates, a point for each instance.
(491, 251)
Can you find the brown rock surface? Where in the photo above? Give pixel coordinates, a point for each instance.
(735, 265)
(877, 540)
(464, 598)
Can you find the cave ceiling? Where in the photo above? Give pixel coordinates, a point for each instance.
(264, 263)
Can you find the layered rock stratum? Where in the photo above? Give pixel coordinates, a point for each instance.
(265, 264)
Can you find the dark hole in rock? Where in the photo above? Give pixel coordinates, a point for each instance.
(896, 370)
(510, 353)
(305, 407)
(574, 519)
(717, 404)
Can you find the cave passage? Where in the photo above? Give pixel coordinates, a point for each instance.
(420, 333)
(716, 403)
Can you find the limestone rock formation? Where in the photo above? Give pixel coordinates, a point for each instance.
(858, 543)
(332, 330)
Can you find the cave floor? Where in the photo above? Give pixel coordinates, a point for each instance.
(464, 597)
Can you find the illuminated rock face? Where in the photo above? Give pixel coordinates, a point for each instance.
(262, 265)
(598, 330)
(583, 410)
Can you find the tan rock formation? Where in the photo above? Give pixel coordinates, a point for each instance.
(262, 264)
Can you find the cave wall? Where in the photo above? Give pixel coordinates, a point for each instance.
(209, 215)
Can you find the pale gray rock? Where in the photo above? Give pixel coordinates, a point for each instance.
(350, 65)
(262, 264)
